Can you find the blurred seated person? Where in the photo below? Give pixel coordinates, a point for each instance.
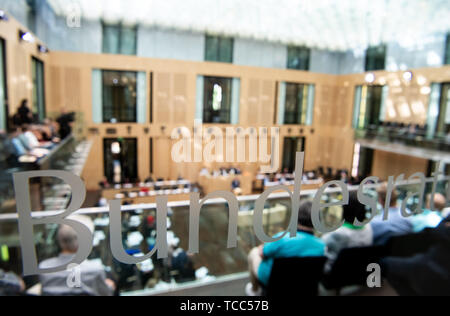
(93, 276)
(349, 236)
(48, 131)
(343, 176)
(149, 180)
(65, 121)
(31, 138)
(104, 184)
(236, 186)
(10, 283)
(181, 263)
(223, 172)
(235, 171)
(288, 176)
(305, 244)
(395, 225)
(18, 148)
(429, 218)
(24, 114)
(21, 148)
(423, 274)
(204, 172)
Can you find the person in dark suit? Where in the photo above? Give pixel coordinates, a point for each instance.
(426, 273)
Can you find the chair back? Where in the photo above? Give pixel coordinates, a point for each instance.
(301, 274)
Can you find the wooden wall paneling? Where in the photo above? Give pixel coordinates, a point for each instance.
(254, 109)
(162, 106)
(180, 99)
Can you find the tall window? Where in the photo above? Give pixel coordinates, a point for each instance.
(219, 49)
(291, 146)
(298, 58)
(443, 121)
(119, 39)
(38, 88)
(120, 159)
(119, 96)
(217, 100)
(296, 105)
(376, 58)
(447, 50)
(3, 89)
(369, 102)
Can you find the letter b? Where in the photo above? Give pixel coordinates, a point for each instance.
(26, 221)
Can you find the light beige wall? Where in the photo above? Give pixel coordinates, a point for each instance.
(174, 102)
(387, 164)
(18, 63)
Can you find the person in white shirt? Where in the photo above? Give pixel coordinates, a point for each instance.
(93, 277)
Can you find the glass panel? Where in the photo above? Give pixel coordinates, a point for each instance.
(376, 58)
(447, 50)
(443, 123)
(217, 100)
(298, 58)
(295, 104)
(142, 97)
(119, 96)
(357, 106)
(45, 195)
(128, 40)
(120, 162)
(292, 145)
(219, 49)
(235, 101)
(226, 50)
(38, 89)
(97, 96)
(370, 105)
(111, 39)
(3, 111)
(211, 48)
(139, 235)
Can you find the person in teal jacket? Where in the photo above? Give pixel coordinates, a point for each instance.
(304, 244)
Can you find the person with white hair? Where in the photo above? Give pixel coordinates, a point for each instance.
(91, 280)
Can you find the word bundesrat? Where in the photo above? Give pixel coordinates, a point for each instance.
(27, 221)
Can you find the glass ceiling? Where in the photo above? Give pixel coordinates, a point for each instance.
(337, 25)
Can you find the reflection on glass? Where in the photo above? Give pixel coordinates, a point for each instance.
(119, 96)
(217, 100)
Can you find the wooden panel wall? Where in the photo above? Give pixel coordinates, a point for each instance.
(387, 164)
(18, 63)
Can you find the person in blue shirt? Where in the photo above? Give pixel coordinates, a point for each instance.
(305, 244)
(395, 225)
(429, 218)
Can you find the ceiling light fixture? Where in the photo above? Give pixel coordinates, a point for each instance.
(370, 78)
(3, 16)
(407, 76)
(26, 37)
(42, 49)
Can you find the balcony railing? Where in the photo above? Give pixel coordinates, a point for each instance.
(405, 135)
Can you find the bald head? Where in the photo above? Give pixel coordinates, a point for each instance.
(439, 202)
(67, 239)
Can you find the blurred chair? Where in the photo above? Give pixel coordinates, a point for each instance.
(409, 245)
(305, 273)
(350, 267)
